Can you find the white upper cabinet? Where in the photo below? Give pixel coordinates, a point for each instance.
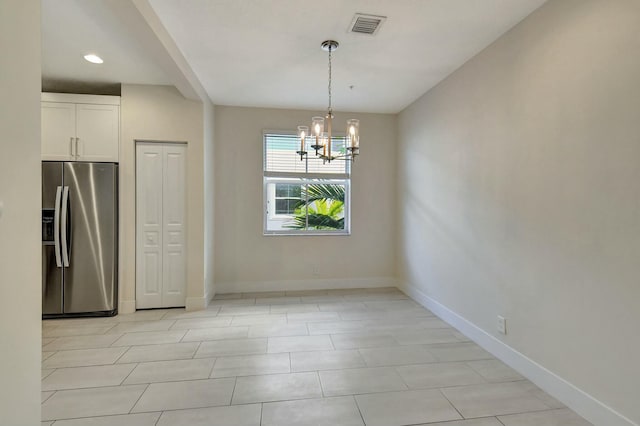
(58, 131)
(80, 127)
(97, 130)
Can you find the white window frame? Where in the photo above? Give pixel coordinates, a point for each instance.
(272, 214)
(302, 179)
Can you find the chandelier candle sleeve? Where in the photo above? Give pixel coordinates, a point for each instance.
(317, 123)
(317, 127)
(302, 134)
(353, 133)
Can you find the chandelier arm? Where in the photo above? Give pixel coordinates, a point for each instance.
(347, 157)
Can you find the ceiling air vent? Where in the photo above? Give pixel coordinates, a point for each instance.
(366, 24)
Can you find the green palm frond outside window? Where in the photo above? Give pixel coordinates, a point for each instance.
(321, 207)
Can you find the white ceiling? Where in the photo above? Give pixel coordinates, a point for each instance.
(73, 28)
(267, 52)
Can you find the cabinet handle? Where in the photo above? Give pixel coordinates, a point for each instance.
(71, 146)
(77, 150)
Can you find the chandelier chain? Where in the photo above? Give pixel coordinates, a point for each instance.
(330, 110)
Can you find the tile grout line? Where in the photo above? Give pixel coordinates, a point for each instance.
(47, 398)
(235, 383)
(196, 351)
(320, 382)
(451, 403)
(139, 398)
(121, 355)
(144, 384)
(50, 373)
(183, 336)
(213, 365)
(297, 372)
(130, 372)
(106, 415)
(333, 345)
(355, 400)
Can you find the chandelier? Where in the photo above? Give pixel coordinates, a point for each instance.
(323, 146)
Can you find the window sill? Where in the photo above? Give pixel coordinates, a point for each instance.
(304, 234)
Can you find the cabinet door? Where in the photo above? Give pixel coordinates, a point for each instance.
(98, 132)
(58, 131)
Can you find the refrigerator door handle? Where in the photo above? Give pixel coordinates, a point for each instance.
(63, 231)
(56, 227)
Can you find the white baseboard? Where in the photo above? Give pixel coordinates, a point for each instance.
(126, 306)
(209, 293)
(195, 303)
(309, 284)
(191, 304)
(579, 401)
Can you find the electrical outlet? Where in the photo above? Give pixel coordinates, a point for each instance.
(315, 271)
(502, 324)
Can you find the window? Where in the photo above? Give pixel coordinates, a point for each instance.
(304, 197)
(287, 198)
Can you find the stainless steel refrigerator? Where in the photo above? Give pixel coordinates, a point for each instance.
(79, 239)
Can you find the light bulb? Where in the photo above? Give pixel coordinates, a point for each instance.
(95, 59)
(353, 132)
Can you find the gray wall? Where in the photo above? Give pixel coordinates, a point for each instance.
(20, 195)
(161, 113)
(519, 195)
(208, 111)
(248, 261)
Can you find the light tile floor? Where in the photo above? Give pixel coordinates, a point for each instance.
(335, 357)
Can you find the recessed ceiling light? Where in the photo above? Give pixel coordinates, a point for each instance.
(94, 59)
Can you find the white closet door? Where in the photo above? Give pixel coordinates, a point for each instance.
(174, 213)
(160, 225)
(148, 226)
